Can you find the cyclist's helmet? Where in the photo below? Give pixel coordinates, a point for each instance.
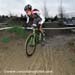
(28, 7)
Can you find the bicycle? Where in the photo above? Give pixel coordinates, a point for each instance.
(32, 40)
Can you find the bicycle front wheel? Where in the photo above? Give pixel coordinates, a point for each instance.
(30, 45)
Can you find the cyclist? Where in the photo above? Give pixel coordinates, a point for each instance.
(35, 16)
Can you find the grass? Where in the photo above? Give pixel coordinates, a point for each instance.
(5, 39)
(22, 33)
(18, 31)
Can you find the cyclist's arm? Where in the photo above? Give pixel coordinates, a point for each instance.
(27, 19)
(42, 19)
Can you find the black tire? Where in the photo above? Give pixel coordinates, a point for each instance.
(32, 48)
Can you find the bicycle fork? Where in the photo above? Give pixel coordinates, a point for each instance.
(34, 37)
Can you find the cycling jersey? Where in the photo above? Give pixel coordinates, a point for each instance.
(36, 16)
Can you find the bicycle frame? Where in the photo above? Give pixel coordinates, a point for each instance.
(34, 32)
(37, 37)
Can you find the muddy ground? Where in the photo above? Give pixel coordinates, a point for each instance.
(57, 56)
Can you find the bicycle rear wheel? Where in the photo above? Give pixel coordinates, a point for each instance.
(30, 45)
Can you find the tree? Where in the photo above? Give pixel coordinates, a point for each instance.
(61, 14)
(56, 18)
(45, 10)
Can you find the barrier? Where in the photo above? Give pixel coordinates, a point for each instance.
(62, 28)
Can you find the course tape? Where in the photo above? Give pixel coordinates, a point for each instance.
(62, 28)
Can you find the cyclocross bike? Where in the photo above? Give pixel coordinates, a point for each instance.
(34, 38)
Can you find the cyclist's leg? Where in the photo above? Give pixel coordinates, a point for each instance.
(42, 31)
(40, 27)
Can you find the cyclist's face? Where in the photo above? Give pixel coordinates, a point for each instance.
(28, 12)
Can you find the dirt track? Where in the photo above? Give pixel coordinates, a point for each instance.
(57, 56)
